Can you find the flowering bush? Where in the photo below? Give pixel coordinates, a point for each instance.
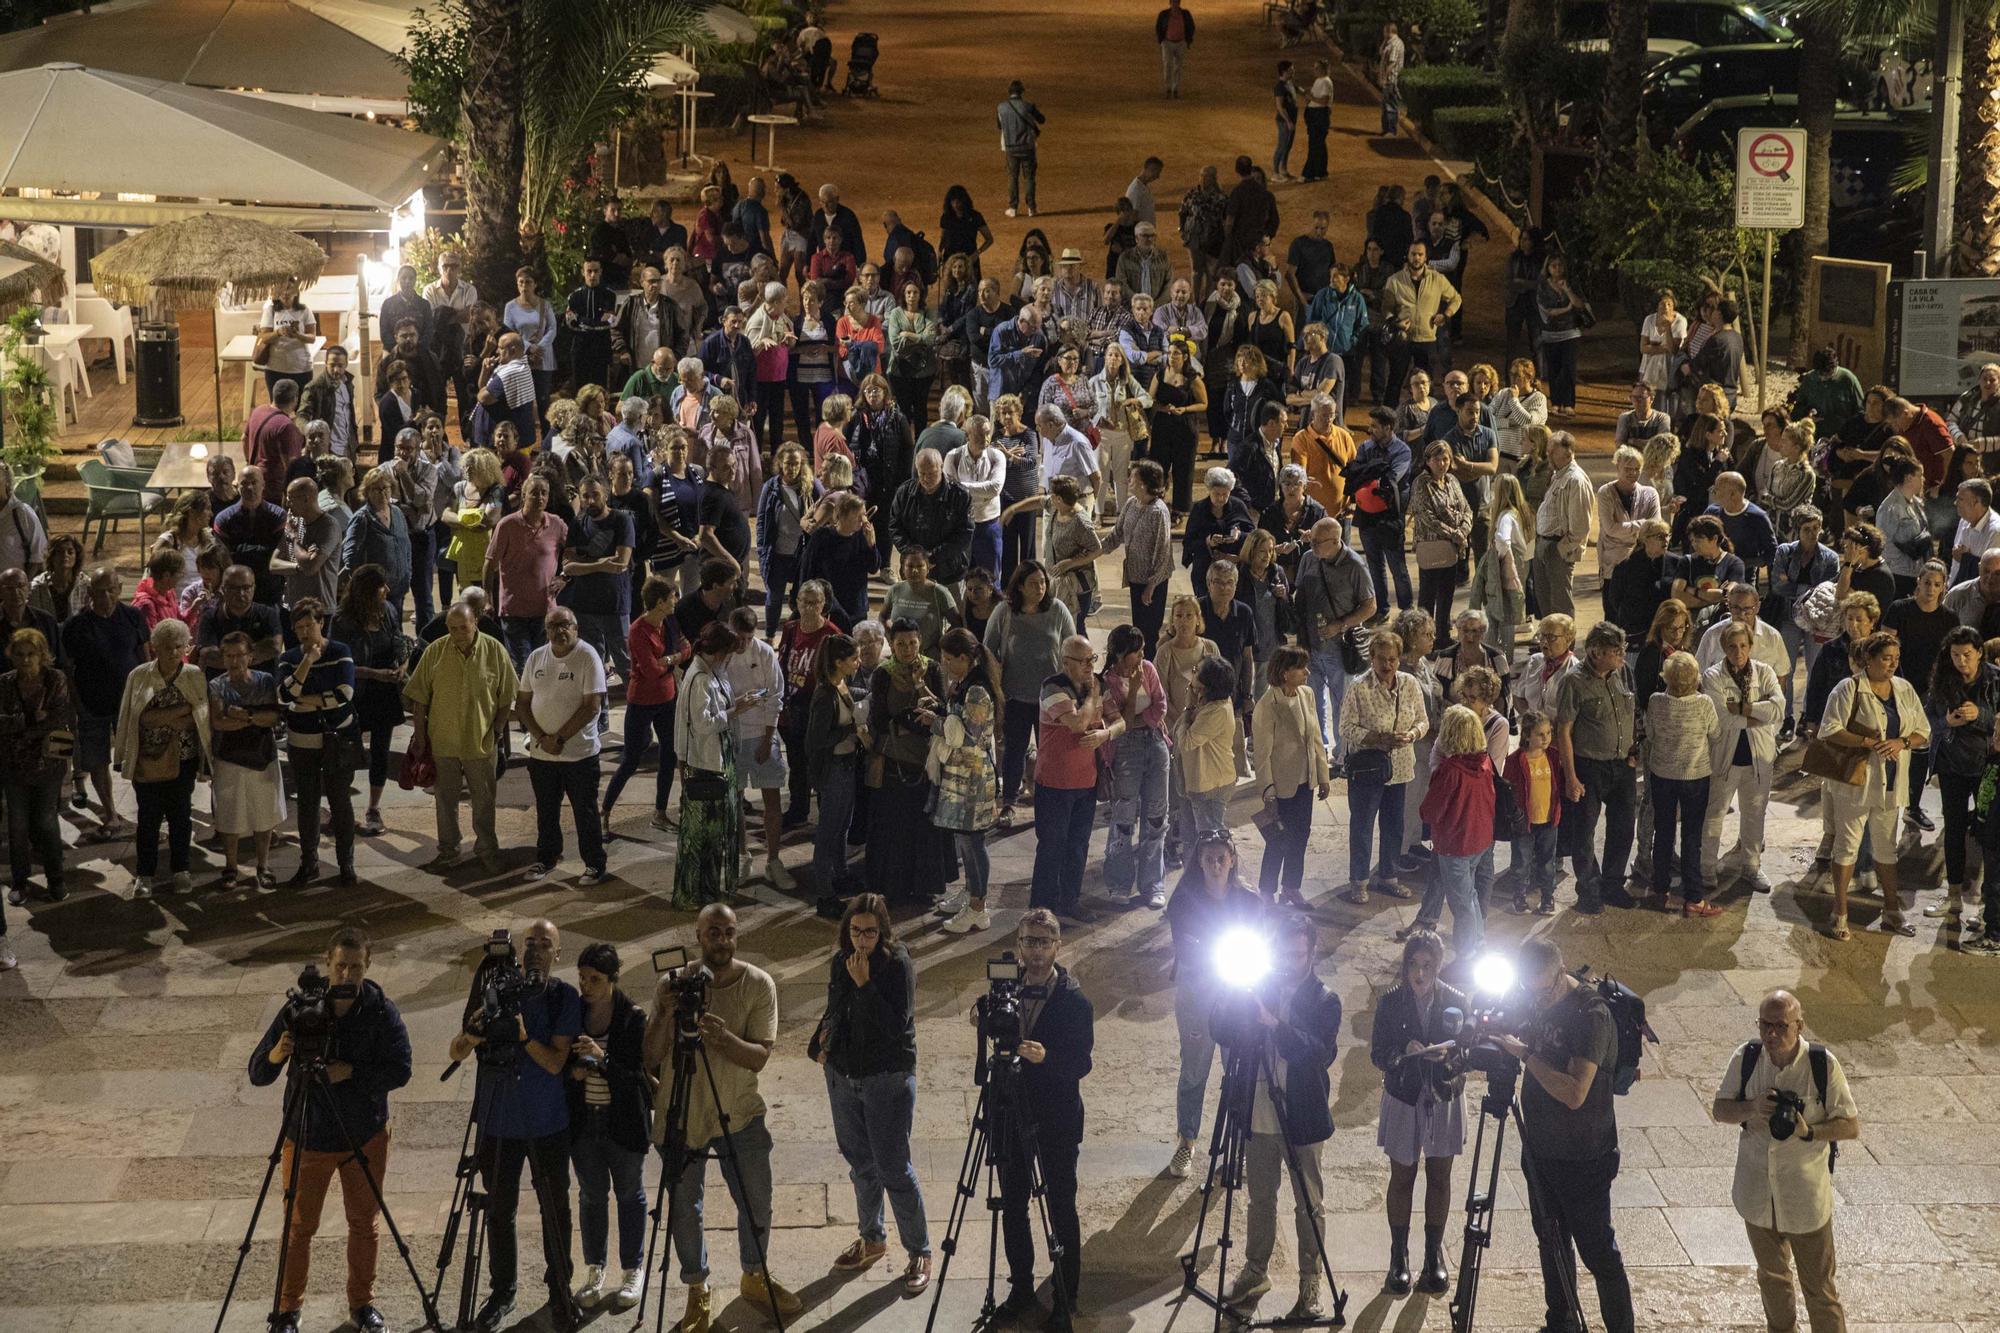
(579, 204)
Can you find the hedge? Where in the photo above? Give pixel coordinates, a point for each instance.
(1427, 88)
(1466, 132)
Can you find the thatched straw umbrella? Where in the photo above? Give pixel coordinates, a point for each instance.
(26, 276)
(185, 265)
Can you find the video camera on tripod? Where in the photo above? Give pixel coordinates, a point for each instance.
(504, 986)
(999, 1016)
(689, 980)
(308, 1015)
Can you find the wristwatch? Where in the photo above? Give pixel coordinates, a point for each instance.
(1809, 1134)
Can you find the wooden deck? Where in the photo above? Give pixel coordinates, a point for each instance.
(108, 412)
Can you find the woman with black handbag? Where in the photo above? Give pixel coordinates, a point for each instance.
(1381, 716)
(1423, 1106)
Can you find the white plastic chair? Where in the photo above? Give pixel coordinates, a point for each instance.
(110, 322)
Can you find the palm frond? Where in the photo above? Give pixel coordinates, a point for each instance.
(583, 68)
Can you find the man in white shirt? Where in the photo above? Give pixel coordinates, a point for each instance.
(1767, 645)
(562, 693)
(1066, 451)
(1784, 1165)
(1562, 527)
(1978, 528)
(1389, 77)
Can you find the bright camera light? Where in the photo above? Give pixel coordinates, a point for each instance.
(1242, 958)
(1493, 975)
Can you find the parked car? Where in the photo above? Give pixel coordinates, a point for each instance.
(1674, 27)
(1676, 89)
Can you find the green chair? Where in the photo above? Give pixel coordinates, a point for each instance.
(115, 494)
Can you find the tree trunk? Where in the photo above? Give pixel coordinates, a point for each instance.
(1531, 33)
(491, 107)
(1976, 202)
(1819, 90)
(1618, 133)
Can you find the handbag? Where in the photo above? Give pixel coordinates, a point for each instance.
(350, 748)
(1585, 317)
(1508, 822)
(58, 743)
(1370, 768)
(1437, 553)
(914, 360)
(1090, 431)
(418, 772)
(260, 354)
(1839, 763)
(1136, 424)
(1353, 651)
(702, 785)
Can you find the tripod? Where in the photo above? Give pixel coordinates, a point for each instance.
(1246, 1060)
(469, 1201)
(309, 1072)
(676, 1156)
(1001, 1129)
(1498, 1103)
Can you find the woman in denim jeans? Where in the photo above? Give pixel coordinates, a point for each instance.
(1459, 808)
(867, 1043)
(1210, 900)
(608, 1129)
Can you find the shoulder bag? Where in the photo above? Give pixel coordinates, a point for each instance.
(1089, 428)
(1839, 763)
(1508, 823)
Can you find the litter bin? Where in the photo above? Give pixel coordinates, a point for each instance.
(158, 371)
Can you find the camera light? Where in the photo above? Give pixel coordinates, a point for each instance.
(1242, 958)
(1493, 975)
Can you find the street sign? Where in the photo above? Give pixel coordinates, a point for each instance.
(1771, 179)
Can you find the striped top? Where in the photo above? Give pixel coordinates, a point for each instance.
(322, 700)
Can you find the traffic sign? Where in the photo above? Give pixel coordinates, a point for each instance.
(1771, 179)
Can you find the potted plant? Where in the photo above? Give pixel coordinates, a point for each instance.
(27, 409)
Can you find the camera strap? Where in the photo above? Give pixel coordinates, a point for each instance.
(1816, 1056)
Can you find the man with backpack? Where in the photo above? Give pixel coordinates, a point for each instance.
(1785, 1159)
(1569, 1136)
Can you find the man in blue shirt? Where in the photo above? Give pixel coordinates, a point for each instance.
(1475, 458)
(523, 1115)
(1016, 355)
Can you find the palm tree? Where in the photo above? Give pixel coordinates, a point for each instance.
(1618, 135)
(547, 78)
(1531, 34)
(1819, 93)
(1976, 200)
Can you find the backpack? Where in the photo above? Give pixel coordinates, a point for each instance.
(1628, 1013)
(1821, 1063)
(926, 257)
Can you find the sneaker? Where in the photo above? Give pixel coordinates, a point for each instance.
(952, 905)
(1986, 946)
(1786, 732)
(8, 961)
(57, 893)
(696, 1318)
(493, 1313)
(1307, 1306)
(183, 882)
(17, 896)
(1951, 906)
(664, 821)
(1754, 880)
(590, 879)
(371, 823)
(1182, 1161)
(1546, 907)
(631, 1291)
(1247, 1287)
(539, 871)
(1520, 903)
(781, 878)
(1921, 820)
(1012, 213)
(916, 1274)
(1157, 899)
(592, 1290)
(968, 919)
(767, 1294)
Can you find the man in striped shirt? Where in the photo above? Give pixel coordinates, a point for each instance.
(316, 683)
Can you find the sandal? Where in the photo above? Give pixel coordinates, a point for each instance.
(1358, 895)
(1896, 925)
(1390, 888)
(860, 1255)
(227, 880)
(1005, 819)
(1700, 908)
(1837, 929)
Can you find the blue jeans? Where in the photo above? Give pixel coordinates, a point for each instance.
(643, 722)
(606, 633)
(1382, 544)
(1535, 855)
(1135, 848)
(986, 546)
(1328, 678)
(1559, 369)
(1687, 801)
(423, 554)
(1063, 816)
(1194, 1001)
(871, 1123)
(836, 812)
(1367, 806)
(524, 635)
(781, 586)
(1466, 881)
(748, 1177)
(978, 864)
(1392, 107)
(605, 1171)
(1804, 649)
(1282, 155)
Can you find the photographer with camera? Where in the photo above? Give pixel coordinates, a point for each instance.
(1302, 1021)
(735, 1011)
(1569, 1135)
(523, 1020)
(1793, 1103)
(609, 1129)
(1056, 1031)
(355, 1031)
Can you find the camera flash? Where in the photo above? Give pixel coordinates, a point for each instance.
(1243, 957)
(1493, 974)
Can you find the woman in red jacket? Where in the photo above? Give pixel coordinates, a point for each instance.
(1459, 809)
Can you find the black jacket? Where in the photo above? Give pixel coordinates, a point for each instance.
(824, 731)
(1638, 586)
(371, 1037)
(1053, 1089)
(624, 1064)
(1307, 1045)
(871, 1029)
(1187, 27)
(1398, 1022)
(939, 522)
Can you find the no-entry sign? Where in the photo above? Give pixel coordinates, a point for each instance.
(1771, 179)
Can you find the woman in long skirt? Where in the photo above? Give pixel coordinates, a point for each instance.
(705, 868)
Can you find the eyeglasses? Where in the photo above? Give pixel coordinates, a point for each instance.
(1086, 660)
(1037, 941)
(863, 932)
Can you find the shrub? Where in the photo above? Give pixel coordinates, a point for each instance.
(1675, 217)
(1436, 30)
(1429, 87)
(1467, 133)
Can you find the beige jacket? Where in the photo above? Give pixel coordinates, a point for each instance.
(1205, 741)
(1290, 752)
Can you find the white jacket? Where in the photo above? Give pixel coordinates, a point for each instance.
(1767, 705)
(141, 688)
(1869, 714)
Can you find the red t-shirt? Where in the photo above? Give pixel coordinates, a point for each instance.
(1060, 760)
(648, 643)
(526, 558)
(798, 653)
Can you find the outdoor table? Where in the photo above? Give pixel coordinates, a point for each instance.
(241, 348)
(180, 470)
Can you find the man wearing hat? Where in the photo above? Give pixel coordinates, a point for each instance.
(1075, 296)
